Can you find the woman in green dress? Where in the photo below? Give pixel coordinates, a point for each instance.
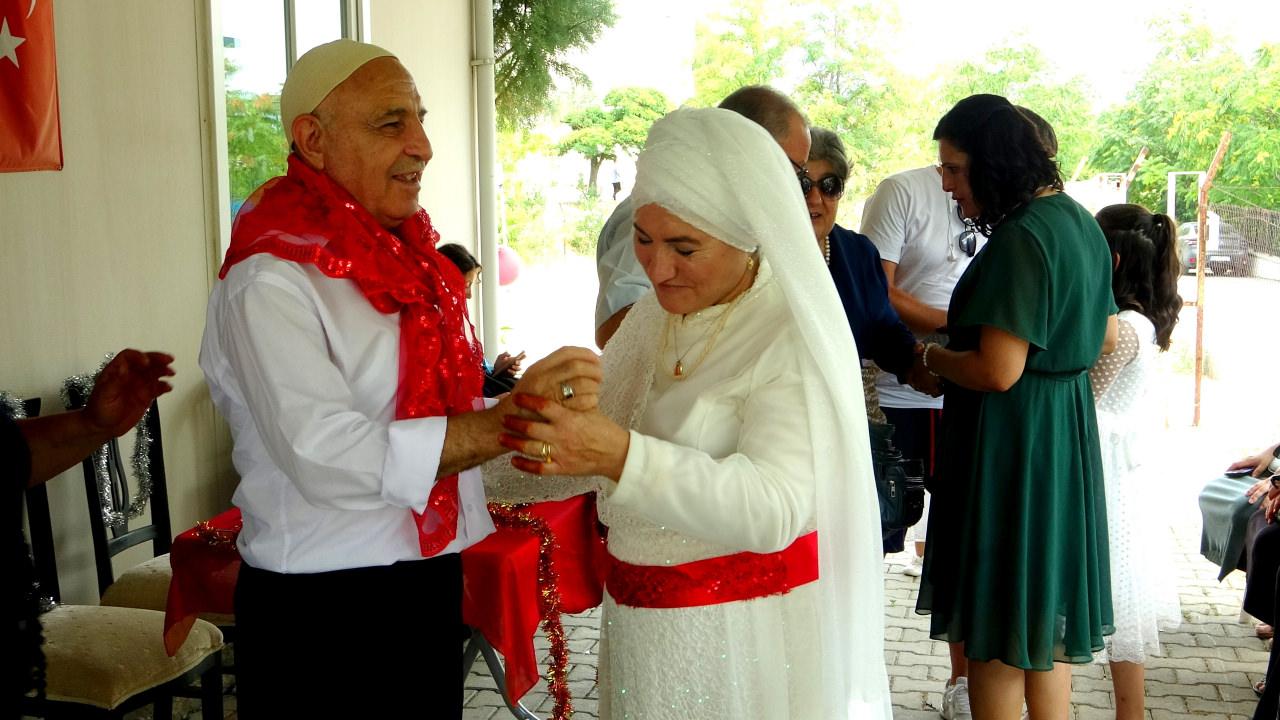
(1019, 572)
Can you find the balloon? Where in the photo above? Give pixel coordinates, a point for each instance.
(508, 265)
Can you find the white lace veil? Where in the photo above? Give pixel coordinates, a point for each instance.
(726, 176)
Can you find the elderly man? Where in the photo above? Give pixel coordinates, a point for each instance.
(339, 349)
(622, 280)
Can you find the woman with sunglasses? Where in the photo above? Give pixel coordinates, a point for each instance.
(854, 263)
(1017, 564)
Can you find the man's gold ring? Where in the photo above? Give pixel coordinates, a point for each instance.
(546, 452)
(566, 391)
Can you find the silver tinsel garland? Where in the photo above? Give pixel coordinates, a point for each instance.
(140, 462)
(11, 406)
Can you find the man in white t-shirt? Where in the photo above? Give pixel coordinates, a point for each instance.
(925, 247)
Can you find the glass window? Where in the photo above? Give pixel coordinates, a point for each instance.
(253, 47)
(316, 23)
(255, 61)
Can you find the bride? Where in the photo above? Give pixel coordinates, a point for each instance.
(730, 452)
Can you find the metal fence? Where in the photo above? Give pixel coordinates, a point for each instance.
(1244, 233)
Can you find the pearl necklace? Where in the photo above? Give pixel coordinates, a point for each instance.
(826, 249)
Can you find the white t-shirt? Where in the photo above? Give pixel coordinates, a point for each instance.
(304, 370)
(912, 221)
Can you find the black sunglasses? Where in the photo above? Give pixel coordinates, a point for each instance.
(968, 239)
(830, 185)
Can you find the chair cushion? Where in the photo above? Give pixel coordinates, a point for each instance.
(144, 586)
(102, 656)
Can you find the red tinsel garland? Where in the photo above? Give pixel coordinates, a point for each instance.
(216, 536)
(514, 516)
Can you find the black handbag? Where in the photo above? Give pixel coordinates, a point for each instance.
(901, 492)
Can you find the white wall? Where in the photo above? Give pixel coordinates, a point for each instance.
(115, 250)
(433, 41)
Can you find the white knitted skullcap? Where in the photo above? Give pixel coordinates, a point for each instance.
(317, 73)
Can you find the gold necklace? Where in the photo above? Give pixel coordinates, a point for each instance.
(712, 333)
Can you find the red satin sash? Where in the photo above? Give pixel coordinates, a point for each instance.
(713, 581)
(305, 217)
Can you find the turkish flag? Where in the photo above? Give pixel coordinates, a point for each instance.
(30, 133)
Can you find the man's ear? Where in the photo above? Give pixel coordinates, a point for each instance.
(308, 140)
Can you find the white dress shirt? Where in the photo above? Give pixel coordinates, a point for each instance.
(305, 370)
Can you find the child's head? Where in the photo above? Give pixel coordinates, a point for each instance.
(1144, 256)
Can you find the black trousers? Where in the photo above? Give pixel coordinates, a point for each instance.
(377, 642)
(1261, 591)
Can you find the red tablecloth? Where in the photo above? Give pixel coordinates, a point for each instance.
(500, 580)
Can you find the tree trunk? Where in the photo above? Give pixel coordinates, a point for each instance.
(595, 171)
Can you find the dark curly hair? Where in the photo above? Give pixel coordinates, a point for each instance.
(1008, 160)
(1146, 278)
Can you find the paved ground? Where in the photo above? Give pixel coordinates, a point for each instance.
(1205, 673)
(1208, 663)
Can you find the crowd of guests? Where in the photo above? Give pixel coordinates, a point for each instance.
(1004, 331)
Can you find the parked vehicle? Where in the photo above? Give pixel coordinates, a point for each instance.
(1226, 251)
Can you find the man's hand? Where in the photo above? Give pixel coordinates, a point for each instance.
(124, 390)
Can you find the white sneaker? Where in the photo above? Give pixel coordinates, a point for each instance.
(955, 701)
(913, 568)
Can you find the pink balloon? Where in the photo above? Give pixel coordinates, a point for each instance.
(508, 265)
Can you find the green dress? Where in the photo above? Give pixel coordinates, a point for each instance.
(1016, 566)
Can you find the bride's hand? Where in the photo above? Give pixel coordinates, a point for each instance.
(564, 442)
(570, 376)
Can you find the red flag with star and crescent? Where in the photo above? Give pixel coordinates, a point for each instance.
(30, 131)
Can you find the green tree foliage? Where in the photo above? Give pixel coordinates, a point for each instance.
(531, 38)
(1026, 77)
(256, 149)
(850, 87)
(745, 46)
(622, 122)
(1196, 87)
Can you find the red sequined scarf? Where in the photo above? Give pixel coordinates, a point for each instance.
(305, 217)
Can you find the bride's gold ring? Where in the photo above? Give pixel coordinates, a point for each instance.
(546, 452)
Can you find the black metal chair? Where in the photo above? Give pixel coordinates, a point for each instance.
(107, 487)
(104, 662)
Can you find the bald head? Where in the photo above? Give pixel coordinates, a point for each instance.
(774, 112)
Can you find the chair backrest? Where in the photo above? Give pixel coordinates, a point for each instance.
(115, 495)
(39, 523)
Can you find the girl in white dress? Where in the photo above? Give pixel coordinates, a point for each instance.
(1143, 589)
(730, 449)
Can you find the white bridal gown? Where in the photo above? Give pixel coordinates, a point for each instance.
(720, 462)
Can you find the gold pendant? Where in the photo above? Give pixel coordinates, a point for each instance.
(678, 370)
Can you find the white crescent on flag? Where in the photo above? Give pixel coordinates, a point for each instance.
(32, 8)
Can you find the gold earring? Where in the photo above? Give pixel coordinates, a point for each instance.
(751, 262)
